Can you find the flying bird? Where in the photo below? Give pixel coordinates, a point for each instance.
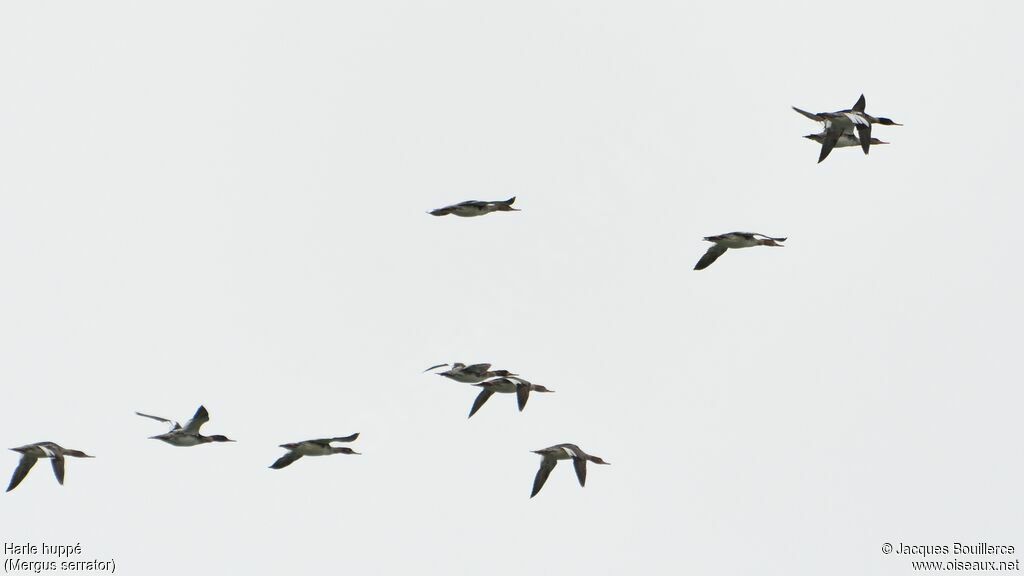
(550, 456)
(187, 435)
(472, 208)
(845, 122)
(734, 240)
(847, 139)
(521, 388)
(469, 374)
(30, 453)
(319, 447)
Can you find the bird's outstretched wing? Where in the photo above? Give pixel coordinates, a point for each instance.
(814, 117)
(546, 466)
(481, 398)
(285, 460)
(522, 394)
(58, 468)
(860, 105)
(769, 237)
(201, 417)
(864, 132)
(327, 441)
(26, 464)
(477, 369)
(580, 464)
(832, 136)
(174, 425)
(710, 256)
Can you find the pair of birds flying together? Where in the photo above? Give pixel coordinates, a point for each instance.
(840, 127)
(490, 382)
(189, 435)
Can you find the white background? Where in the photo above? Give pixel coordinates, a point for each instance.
(225, 203)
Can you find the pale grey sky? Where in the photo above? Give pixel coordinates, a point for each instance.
(225, 203)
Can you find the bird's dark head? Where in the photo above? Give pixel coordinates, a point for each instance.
(539, 388)
(219, 438)
(290, 446)
(598, 460)
(344, 450)
(888, 122)
(77, 454)
(770, 242)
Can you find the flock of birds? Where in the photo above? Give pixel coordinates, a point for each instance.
(844, 128)
(491, 382)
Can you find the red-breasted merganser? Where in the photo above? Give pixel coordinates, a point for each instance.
(521, 388)
(472, 208)
(847, 139)
(318, 447)
(551, 456)
(845, 121)
(734, 240)
(187, 435)
(30, 453)
(469, 374)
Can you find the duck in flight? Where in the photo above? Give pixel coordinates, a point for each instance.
(187, 435)
(838, 124)
(472, 208)
(551, 455)
(31, 453)
(521, 388)
(319, 447)
(723, 242)
(469, 374)
(846, 140)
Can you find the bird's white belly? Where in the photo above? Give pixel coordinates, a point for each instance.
(738, 243)
(184, 441)
(504, 388)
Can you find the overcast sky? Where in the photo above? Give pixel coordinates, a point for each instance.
(225, 203)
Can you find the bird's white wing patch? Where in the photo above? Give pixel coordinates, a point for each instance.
(857, 119)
